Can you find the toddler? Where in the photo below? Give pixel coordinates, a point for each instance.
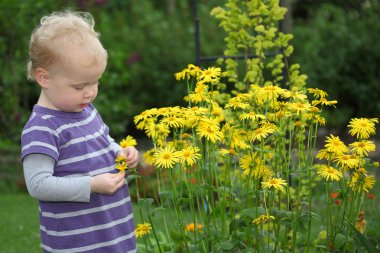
(68, 155)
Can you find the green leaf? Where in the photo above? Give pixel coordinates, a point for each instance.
(340, 240)
(185, 200)
(227, 245)
(251, 212)
(145, 204)
(177, 236)
(157, 210)
(364, 241)
(133, 177)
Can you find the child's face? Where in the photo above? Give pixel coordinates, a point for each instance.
(74, 85)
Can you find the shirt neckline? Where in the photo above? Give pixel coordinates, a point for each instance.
(73, 115)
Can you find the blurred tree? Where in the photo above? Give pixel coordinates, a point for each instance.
(336, 45)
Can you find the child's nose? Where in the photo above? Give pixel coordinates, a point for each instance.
(90, 91)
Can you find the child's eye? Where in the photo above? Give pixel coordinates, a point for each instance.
(79, 87)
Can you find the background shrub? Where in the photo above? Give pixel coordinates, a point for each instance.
(337, 47)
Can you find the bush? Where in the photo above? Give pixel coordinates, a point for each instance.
(146, 42)
(338, 50)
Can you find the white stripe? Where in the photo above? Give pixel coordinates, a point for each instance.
(79, 123)
(85, 211)
(47, 116)
(40, 128)
(84, 157)
(84, 138)
(94, 246)
(87, 229)
(40, 144)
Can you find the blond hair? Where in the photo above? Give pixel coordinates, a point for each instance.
(57, 33)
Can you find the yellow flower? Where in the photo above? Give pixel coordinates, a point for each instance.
(299, 107)
(317, 92)
(347, 161)
(262, 132)
(251, 116)
(255, 167)
(189, 155)
(277, 183)
(362, 148)
(120, 159)
(261, 171)
(210, 130)
(335, 145)
(122, 166)
(143, 229)
(193, 70)
(362, 127)
(128, 142)
(159, 130)
(325, 154)
(296, 95)
(224, 151)
(324, 101)
(263, 219)
(217, 112)
(149, 156)
(194, 227)
(268, 92)
(187, 73)
(166, 157)
(234, 103)
(210, 74)
(247, 162)
(173, 121)
(144, 116)
(361, 182)
(329, 173)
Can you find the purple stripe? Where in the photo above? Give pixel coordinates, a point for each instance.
(102, 241)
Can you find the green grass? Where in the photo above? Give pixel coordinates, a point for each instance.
(19, 226)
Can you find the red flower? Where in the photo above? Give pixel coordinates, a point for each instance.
(193, 180)
(334, 195)
(337, 202)
(371, 196)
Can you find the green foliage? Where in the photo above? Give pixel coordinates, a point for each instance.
(339, 50)
(17, 21)
(146, 43)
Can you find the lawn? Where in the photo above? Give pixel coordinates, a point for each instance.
(19, 231)
(19, 227)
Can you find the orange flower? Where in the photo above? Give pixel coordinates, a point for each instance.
(371, 196)
(361, 223)
(194, 227)
(334, 195)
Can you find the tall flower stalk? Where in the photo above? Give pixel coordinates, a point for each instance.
(240, 156)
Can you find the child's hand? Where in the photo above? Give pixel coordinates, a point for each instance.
(131, 156)
(107, 183)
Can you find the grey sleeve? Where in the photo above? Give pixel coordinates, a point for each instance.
(42, 185)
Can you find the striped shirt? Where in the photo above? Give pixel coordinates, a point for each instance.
(81, 146)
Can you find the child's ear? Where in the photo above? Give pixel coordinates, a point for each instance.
(42, 77)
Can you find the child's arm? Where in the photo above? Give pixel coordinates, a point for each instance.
(42, 185)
